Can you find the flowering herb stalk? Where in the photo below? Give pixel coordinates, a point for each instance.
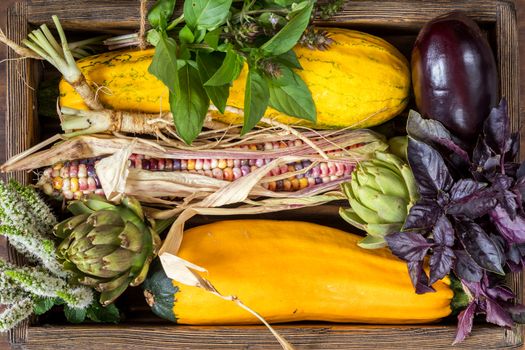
(469, 218)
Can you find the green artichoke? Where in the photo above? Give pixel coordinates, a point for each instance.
(381, 193)
(107, 246)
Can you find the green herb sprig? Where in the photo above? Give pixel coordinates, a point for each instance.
(199, 54)
(27, 221)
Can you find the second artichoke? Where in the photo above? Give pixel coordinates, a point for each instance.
(381, 193)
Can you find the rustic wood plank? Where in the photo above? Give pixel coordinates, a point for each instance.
(508, 61)
(20, 119)
(305, 336)
(124, 14)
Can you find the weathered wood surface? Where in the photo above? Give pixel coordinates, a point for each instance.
(124, 14)
(306, 336)
(406, 15)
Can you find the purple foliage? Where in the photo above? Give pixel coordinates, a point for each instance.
(469, 219)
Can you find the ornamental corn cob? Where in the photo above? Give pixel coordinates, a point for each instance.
(74, 179)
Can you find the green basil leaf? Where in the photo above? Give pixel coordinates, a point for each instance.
(228, 71)
(283, 3)
(289, 59)
(43, 305)
(152, 37)
(288, 36)
(190, 105)
(289, 94)
(206, 14)
(164, 62)
(256, 97)
(186, 35)
(208, 65)
(74, 315)
(99, 313)
(160, 13)
(212, 38)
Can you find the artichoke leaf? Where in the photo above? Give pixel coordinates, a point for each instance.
(113, 283)
(108, 297)
(105, 217)
(131, 238)
(372, 242)
(364, 213)
(118, 261)
(105, 235)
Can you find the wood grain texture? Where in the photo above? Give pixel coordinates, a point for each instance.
(307, 336)
(407, 15)
(124, 14)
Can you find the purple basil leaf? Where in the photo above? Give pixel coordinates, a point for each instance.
(434, 133)
(517, 312)
(508, 201)
(497, 314)
(473, 206)
(519, 190)
(409, 246)
(419, 278)
(440, 263)
(514, 147)
(496, 129)
(480, 247)
(423, 215)
(521, 171)
(465, 321)
(483, 159)
(454, 148)
(443, 232)
(512, 230)
(430, 171)
(500, 293)
(466, 268)
(514, 254)
(464, 188)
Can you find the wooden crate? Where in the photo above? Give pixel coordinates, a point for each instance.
(398, 22)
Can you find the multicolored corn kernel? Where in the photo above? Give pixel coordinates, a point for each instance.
(73, 179)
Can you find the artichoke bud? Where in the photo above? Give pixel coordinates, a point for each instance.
(381, 192)
(106, 246)
(105, 217)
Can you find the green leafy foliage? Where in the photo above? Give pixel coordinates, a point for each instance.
(208, 64)
(289, 94)
(160, 13)
(43, 305)
(164, 62)
(98, 313)
(256, 97)
(200, 54)
(190, 105)
(75, 315)
(287, 37)
(228, 71)
(206, 14)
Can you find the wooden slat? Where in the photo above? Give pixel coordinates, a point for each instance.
(20, 120)
(508, 61)
(307, 336)
(124, 14)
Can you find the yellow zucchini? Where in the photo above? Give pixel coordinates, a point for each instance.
(292, 271)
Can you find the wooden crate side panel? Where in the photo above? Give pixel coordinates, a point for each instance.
(307, 336)
(124, 14)
(20, 120)
(508, 61)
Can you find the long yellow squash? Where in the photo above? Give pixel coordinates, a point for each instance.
(292, 271)
(360, 81)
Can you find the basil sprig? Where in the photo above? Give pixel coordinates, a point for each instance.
(199, 54)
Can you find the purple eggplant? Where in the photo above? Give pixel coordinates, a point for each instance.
(454, 75)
